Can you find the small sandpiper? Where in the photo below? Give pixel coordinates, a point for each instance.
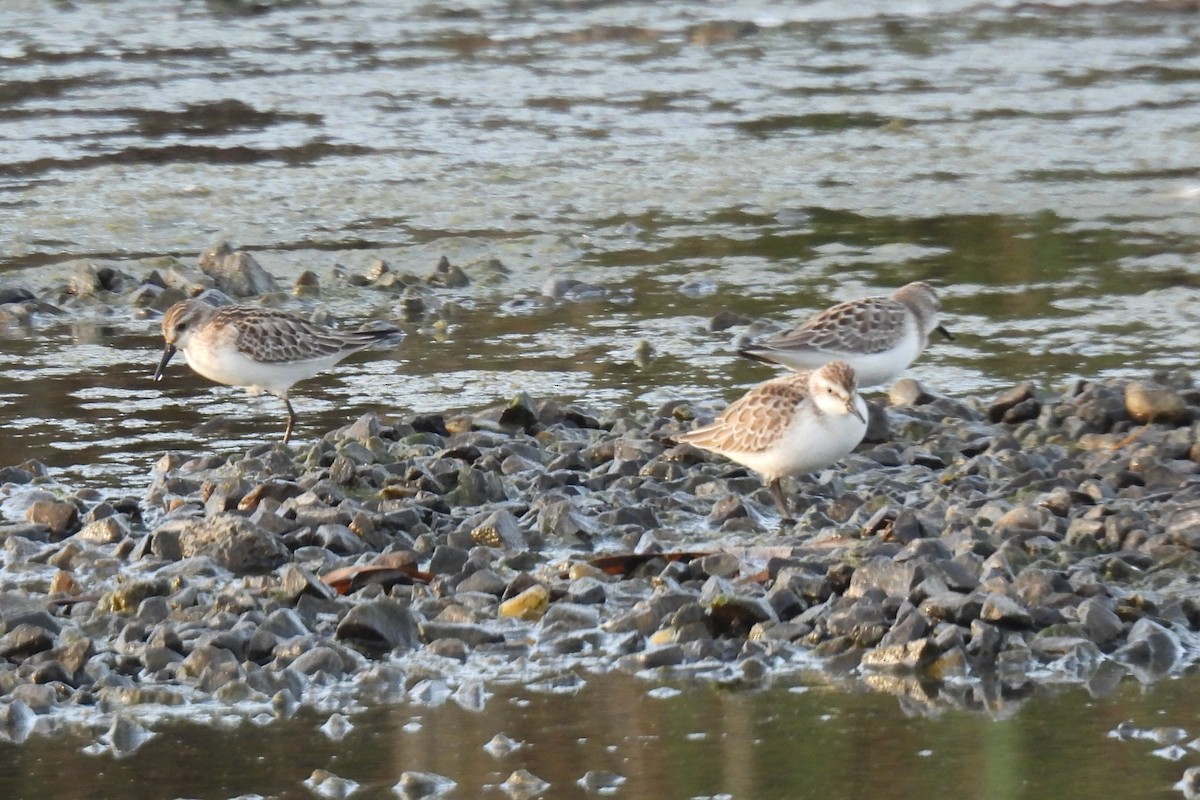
(262, 349)
(878, 336)
(790, 425)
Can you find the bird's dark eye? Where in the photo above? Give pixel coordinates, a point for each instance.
(181, 326)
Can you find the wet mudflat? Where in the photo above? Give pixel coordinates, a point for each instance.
(682, 161)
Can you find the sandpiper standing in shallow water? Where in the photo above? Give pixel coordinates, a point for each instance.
(787, 426)
(262, 349)
(877, 336)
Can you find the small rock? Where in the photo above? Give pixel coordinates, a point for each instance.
(207, 658)
(234, 542)
(1000, 609)
(643, 353)
(572, 289)
(524, 785)
(364, 429)
(1146, 403)
(500, 530)
(449, 275)
(908, 392)
(337, 727)
(501, 745)
(726, 319)
(1189, 784)
(430, 692)
(881, 572)
(15, 294)
(84, 281)
(598, 781)
(25, 640)
(319, 660)
(1009, 399)
(416, 785)
(379, 626)
(734, 614)
(1100, 622)
(15, 475)
(324, 783)
(1022, 412)
(125, 737)
(307, 284)
(472, 696)
(108, 530)
(912, 656)
(878, 426)
(1183, 526)
(1151, 648)
(62, 518)
(236, 273)
(17, 721)
(529, 605)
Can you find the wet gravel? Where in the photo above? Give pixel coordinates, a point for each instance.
(968, 550)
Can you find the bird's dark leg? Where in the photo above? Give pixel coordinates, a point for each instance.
(287, 432)
(776, 487)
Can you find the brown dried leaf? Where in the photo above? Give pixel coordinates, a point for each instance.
(624, 563)
(388, 569)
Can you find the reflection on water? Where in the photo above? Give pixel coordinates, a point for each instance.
(705, 741)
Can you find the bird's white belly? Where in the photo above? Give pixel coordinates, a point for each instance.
(870, 369)
(879, 368)
(809, 444)
(231, 367)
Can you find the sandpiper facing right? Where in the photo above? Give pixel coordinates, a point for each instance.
(790, 425)
(878, 336)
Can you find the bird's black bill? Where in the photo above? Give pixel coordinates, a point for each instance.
(162, 365)
(754, 355)
(942, 330)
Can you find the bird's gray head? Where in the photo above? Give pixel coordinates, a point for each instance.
(923, 300)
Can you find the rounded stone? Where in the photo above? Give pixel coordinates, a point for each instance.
(1146, 403)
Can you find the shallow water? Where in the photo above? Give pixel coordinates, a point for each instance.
(769, 158)
(662, 740)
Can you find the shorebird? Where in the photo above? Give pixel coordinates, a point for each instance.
(262, 349)
(877, 336)
(790, 425)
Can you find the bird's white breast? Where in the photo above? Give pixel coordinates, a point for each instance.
(811, 442)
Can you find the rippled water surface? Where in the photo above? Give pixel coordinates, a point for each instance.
(654, 741)
(1038, 161)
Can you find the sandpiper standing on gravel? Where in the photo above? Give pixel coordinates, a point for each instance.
(877, 336)
(788, 426)
(262, 349)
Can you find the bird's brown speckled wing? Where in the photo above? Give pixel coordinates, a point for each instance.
(869, 325)
(272, 337)
(756, 420)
